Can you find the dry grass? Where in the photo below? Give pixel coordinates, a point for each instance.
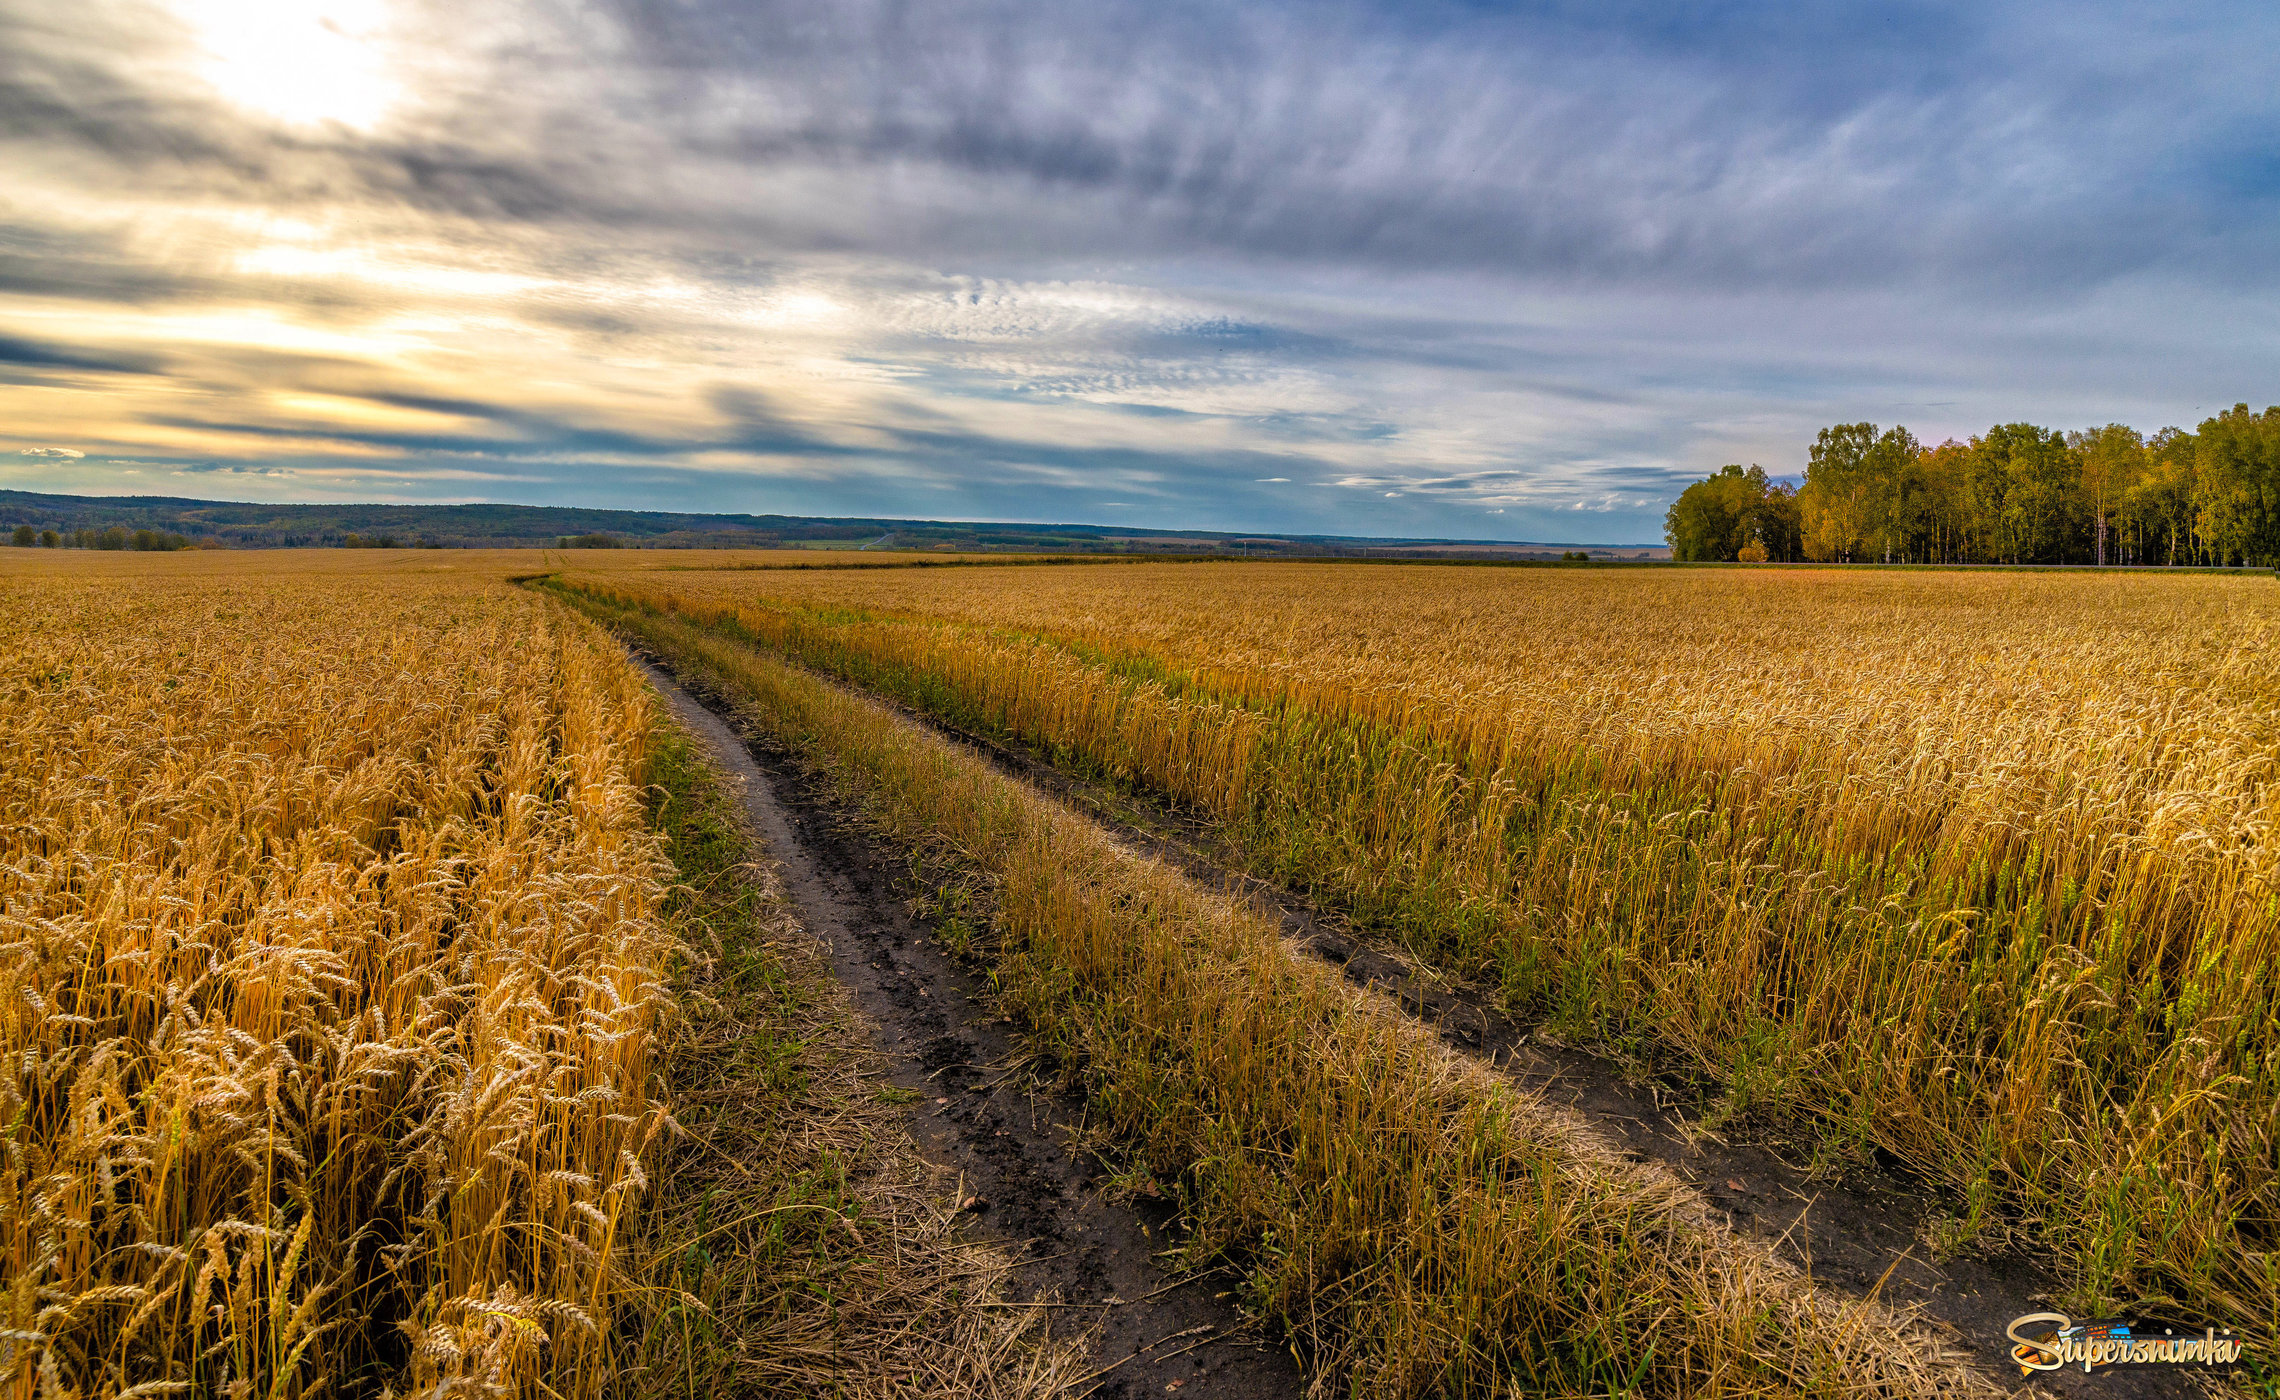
(1416, 1227)
(1974, 867)
(797, 1243)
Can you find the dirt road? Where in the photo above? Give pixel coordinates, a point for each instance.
(1088, 1261)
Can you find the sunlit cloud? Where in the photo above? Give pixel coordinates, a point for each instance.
(301, 62)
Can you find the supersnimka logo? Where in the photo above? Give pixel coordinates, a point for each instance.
(2045, 1341)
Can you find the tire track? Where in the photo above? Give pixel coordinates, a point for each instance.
(1089, 1260)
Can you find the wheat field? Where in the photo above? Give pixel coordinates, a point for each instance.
(1974, 868)
(340, 981)
(332, 981)
(1395, 1213)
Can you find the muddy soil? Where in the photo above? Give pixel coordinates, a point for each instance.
(1860, 1233)
(1088, 1262)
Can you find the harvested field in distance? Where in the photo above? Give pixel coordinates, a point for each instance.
(1974, 868)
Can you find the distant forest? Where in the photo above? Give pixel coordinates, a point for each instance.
(2018, 494)
(147, 522)
(37, 520)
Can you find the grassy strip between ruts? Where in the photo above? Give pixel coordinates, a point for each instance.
(1412, 1224)
(795, 1241)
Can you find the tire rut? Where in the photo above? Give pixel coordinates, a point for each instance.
(1089, 1261)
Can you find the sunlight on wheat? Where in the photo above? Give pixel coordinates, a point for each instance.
(328, 986)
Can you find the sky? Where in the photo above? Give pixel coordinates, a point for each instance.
(1461, 270)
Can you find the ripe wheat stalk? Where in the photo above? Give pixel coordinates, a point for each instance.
(329, 980)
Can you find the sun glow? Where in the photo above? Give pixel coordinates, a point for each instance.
(302, 62)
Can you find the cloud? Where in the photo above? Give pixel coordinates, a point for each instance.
(63, 453)
(1539, 140)
(1000, 257)
(226, 468)
(39, 355)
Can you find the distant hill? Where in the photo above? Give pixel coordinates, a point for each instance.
(246, 525)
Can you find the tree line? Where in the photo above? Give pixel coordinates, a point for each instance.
(116, 537)
(2018, 494)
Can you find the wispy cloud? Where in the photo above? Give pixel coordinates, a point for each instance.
(227, 468)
